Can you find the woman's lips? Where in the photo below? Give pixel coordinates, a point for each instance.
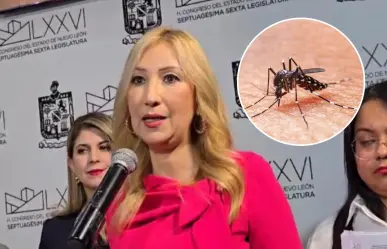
(95, 172)
(153, 120)
(381, 170)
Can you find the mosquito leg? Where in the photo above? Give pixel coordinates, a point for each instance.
(277, 99)
(266, 108)
(330, 102)
(269, 70)
(340, 81)
(290, 63)
(260, 89)
(256, 102)
(300, 69)
(302, 114)
(279, 102)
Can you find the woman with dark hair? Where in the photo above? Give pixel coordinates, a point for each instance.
(365, 151)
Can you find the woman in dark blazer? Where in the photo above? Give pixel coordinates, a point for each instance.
(89, 156)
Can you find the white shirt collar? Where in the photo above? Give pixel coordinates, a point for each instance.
(359, 204)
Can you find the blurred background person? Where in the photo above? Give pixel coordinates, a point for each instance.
(365, 151)
(89, 156)
(191, 188)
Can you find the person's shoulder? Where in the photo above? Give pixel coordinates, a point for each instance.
(55, 230)
(254, 165)
(58, 221)
(321, 237)
(58, 218)
(259, 176)
(247, 158)
(262, 193)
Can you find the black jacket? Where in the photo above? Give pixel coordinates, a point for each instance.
(56, 231)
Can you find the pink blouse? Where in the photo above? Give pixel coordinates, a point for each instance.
(195, 217)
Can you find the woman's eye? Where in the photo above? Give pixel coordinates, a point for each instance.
(105, 147)
(367, 143)
(137, 80)
(170, 78)
(81, 151)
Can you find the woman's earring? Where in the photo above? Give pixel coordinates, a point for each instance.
(199, 124)
(128, 127)
(77, 180)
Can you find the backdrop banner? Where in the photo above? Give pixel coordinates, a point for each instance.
(72, 56)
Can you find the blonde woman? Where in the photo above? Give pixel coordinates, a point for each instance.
(191, 188)
(89, 156)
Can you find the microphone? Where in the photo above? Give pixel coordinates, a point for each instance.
(88, 222)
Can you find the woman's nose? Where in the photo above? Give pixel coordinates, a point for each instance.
(153, 92)
(93, 155)
(382, 149)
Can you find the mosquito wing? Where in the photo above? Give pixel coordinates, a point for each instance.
(313, 70)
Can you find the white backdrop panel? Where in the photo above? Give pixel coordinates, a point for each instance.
(81, 46)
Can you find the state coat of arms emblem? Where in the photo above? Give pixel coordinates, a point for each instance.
(56, 116)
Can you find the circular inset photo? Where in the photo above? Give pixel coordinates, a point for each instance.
(301, 81)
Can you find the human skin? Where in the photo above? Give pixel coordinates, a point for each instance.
(311, 44)
(16, 3)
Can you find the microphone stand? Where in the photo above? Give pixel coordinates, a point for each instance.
(81, 237)
(83, 241)
(76, 244)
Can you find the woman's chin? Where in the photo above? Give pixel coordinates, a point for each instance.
(155, 138)
(93, 182)
(157, 141)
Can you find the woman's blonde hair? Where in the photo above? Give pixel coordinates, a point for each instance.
(214, 147)
(76, 192)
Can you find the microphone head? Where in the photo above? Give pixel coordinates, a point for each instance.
(126, 158)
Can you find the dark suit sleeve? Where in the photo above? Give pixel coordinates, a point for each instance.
(43, 236)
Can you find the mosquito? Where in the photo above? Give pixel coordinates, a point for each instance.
(286, 79)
